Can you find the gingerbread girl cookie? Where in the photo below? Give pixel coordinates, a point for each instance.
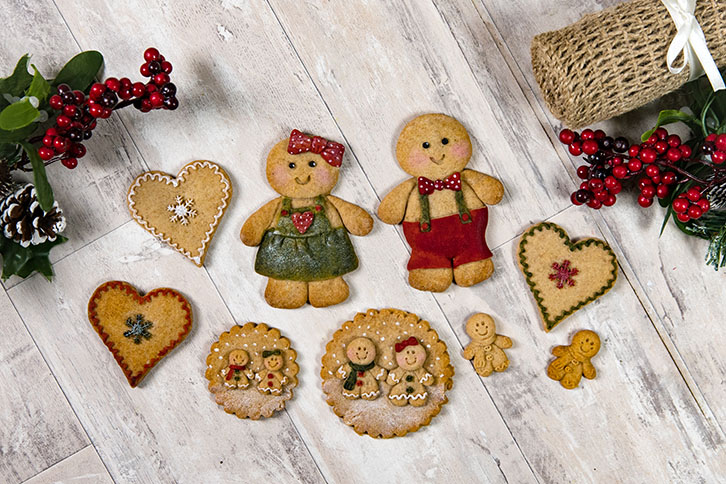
(304, 248)
(386, 373)
(410, 378)
(487, 347)
(573, 361)
(443, 207)
(253, 352)
(360, 373)
(236, 374)
(271, 379)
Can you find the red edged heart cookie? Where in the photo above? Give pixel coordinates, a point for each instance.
(139, 330)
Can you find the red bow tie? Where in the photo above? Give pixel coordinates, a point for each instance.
(451, 182)
(331, 151)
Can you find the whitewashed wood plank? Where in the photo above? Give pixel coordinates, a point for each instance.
(37, 425)
(92, 194)
(636, 422)
(377, 65)
(168, 429)
(679, 291)
(250, 94)
(83, 467)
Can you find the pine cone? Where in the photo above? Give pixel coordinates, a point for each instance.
(23, 221)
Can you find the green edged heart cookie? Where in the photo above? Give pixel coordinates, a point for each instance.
(564, 275)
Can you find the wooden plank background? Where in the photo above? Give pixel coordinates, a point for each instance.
(248, 71)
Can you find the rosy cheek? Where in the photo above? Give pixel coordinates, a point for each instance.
(400, 359)
(418, 159)
(421, 358)
(280, 176)
(461, 149)
(323, 177)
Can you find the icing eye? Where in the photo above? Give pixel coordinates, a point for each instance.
(312, 164)
(426, 145)
(292, 166)
(445, 141)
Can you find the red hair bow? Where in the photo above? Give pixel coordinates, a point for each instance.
(408, 342)
(331, 151)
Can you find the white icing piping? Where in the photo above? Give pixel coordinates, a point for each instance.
(408, 397)
(174, 181)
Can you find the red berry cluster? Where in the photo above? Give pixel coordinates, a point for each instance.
(691, 204)
(715, 145)
(78, 112)
(159, 92)
(612, 160)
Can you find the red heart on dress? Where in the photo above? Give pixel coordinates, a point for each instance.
(302, 221)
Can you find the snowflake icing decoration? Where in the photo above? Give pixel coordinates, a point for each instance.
(181, 210)
(139, 328)
(563, 274)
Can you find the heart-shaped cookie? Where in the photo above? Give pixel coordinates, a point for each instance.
(564, 276)
(139, 330)
(184, 211)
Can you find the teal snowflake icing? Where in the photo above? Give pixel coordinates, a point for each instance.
(139, 328)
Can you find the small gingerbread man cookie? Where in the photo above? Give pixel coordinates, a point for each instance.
(237, 374)
(487, 347)
(573, 361)
(361, 374)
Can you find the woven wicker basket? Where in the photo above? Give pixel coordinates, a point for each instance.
(614, 61)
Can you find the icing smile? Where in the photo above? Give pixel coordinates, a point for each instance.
(438, 162)
(411, 362)
(300, 182)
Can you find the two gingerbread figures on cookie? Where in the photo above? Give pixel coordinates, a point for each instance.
(303, 235)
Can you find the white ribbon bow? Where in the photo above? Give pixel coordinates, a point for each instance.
(692, 42)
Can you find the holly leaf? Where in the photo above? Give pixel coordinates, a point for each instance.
(80, 71)
(39, 87)
(19, 80)
(18, 115)
(23, 261)
(670, 116)
(40, 179)
(17, 135)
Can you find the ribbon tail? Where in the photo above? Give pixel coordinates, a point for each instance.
(705, 60)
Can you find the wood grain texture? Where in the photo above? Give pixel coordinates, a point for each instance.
(91, 195)
(667, 272)
(250, 71)
(168, 429)
(83, 467)
(37, 426)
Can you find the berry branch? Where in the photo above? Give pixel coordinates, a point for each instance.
(79, 112)
(659, 164)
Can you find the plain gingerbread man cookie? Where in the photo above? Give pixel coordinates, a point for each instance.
(573, 361)
(487, 347)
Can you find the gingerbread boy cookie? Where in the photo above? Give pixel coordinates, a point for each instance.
(487, 347)
(573, 361)
(252, 371)
(443, 208)
(304, 248)
(361, 374)
(237, 374)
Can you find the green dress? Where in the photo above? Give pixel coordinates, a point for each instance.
(298, 249)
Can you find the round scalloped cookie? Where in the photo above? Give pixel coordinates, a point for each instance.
(252, 371)
(366, 384)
